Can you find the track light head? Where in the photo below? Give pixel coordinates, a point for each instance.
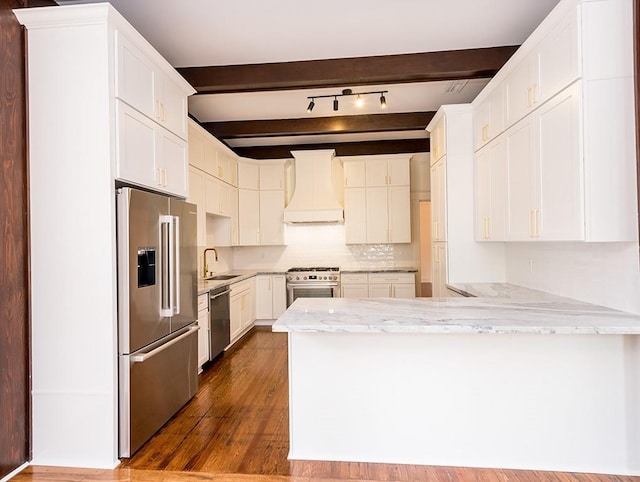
(335, 103)
(311, 105)
(383, 100)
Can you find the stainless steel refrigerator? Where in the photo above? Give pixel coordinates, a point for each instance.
(157, 312)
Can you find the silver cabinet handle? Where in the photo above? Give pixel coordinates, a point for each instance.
(145, 356)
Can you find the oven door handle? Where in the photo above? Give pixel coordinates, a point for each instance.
(313, 285)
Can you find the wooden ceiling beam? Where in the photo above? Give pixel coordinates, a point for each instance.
(376, 70)
(346, 124)
(405, 146)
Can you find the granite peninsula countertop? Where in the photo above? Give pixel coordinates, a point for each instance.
(455, 315)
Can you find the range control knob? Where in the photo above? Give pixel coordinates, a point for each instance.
(304, 277)
(297, 277)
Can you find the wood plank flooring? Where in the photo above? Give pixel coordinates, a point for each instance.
(236, 429)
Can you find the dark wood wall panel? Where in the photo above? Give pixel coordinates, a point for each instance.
(14, 285)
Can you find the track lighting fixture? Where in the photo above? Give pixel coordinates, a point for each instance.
(348, 92)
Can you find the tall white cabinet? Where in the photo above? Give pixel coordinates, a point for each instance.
(457, 257)
(86, 108)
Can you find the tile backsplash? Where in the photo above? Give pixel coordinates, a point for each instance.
(323, 245)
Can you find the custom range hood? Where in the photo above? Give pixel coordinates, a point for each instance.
(314, 198)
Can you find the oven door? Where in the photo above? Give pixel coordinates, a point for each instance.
(312, 290)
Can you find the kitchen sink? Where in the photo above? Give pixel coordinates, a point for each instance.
(221, 277)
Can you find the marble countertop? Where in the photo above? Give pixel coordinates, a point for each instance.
(204, 286)
(500, 290)
(455, 315)
(379, 270)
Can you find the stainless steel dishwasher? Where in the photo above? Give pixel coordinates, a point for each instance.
(220, 334)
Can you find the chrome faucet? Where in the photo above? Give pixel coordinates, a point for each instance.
(205, 267)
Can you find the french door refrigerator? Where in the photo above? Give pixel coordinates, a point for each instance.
(157, 312)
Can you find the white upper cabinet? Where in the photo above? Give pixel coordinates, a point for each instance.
(377, 200)
(569, 134)
(355, 174)
(272, 177)
(488, 116)
(491, 191)
(439, 201)
(387, 172)
(551, 65)
(437, 140)
(144, 86)
(149, 155)
(271, 217)
(248, 175)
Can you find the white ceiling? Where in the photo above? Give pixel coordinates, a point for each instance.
(214, 32)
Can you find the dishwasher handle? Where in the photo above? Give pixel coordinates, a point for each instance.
(213, 295)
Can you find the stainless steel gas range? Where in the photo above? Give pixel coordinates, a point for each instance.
(318, 282)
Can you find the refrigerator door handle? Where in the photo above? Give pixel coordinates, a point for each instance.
(145, 356)
(166, 276)
(176, 265)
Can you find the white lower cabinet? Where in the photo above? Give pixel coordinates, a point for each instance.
(271, 296)
(439, 270)
(392, 285)
(242, 308)
(354, 285)
(378, 285)
(203, 333)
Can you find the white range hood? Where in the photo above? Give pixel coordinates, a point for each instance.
(314, 198)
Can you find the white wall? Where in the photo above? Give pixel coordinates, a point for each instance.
(605, 274)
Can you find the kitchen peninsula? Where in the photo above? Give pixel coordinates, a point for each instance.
(531, 383)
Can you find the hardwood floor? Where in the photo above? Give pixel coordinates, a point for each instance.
(236, 429)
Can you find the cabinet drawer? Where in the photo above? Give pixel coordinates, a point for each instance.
(203, 302)
(238, 288)
(391, 277)
(353, 278)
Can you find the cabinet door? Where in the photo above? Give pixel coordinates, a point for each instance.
(377, 215)
(271, 217)
(272, 177)
(235, 315)
(355, 290)
(380, 290)
(211, 194)
(134, 77)
(483, 194)
(247, 308)
(233, 171)
(557, 60)
(279, 292)
(171, 105)
(398, 172)
(173, 160)
(248, 217)
(559, 210)
(210, 156)
(203, 338)
(376, 172)
(224, 199)
(355, 224)
(354, 174)
(136, 141)
(521, 181)
(196, 146)
(248, 175)
(399, 214)
(264, 297)
(403, 290)
(438, 200)
(439, 269)
(518, 91)
(481, 122)
(234, 217)
(437, 138)
(196, 196)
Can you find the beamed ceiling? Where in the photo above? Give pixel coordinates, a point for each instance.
(255, 64)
